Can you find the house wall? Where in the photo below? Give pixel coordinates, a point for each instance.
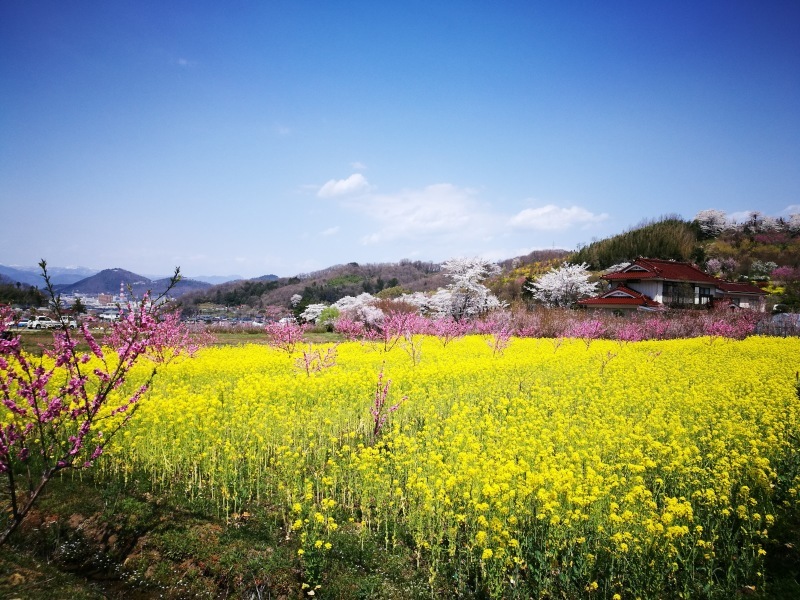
(749, 302)
(648, 288)
(655, 289)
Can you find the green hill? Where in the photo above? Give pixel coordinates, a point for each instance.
(668, 238)
(327, 285)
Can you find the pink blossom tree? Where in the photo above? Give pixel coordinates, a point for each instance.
(448, 329)
(498, 332)
(285, 335)
(587, 330)
(350, 328)
(397, 325)
(61, 410)
(631, 331)
(785, 273)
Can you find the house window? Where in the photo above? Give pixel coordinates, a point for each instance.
(677, 293)
(705, 295)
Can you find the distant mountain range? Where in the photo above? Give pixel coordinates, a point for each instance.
(33, 275)
(111, 281)
(67, 276)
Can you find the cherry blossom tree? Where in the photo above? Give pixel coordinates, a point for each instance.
(714, 266)
(793, 223)
(563, 286)
(712, 222)
(616, 268)
(466, 296)
(312, 312)
(361, 308)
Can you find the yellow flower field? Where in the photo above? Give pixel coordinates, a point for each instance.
(556, 468)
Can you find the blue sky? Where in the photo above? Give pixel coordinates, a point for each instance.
(283, 137)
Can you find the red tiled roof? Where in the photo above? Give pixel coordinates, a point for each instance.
(613, 298)
(661, 269)
(740, 288)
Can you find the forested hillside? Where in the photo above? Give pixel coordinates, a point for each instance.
(668, 238)
(17, 293)
(327, 285)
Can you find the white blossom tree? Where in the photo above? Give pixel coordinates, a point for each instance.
(312, 312)
(563, 286)
(439, 304)
(793, 223)
(762, 268)
(419, 299)
(468, 297)
(712, 222)
(354, 302)
(714, 266)
(360, 308)
(615, 268)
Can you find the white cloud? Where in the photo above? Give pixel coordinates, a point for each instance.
(552, 218)
(358, 166)
(792, 209)
(740, 216)
(435, 210)
(354, 184)
(331, 231)
(444, 215)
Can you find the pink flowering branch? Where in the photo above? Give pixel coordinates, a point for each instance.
(498, 333)
(379, 411)
(412, 345)
(314, 361)
(630, 332)
(349, 328)
(655, 328)
(56, 411)
(397, 325)
(587, 330)
(448, 329)
(285, 335)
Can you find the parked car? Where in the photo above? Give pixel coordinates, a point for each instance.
(69, 322)
(42, 322)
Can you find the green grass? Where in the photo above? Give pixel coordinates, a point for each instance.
(91, 539)
(26, 577)
(33, 340)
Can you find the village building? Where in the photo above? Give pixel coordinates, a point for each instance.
(654, 284)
